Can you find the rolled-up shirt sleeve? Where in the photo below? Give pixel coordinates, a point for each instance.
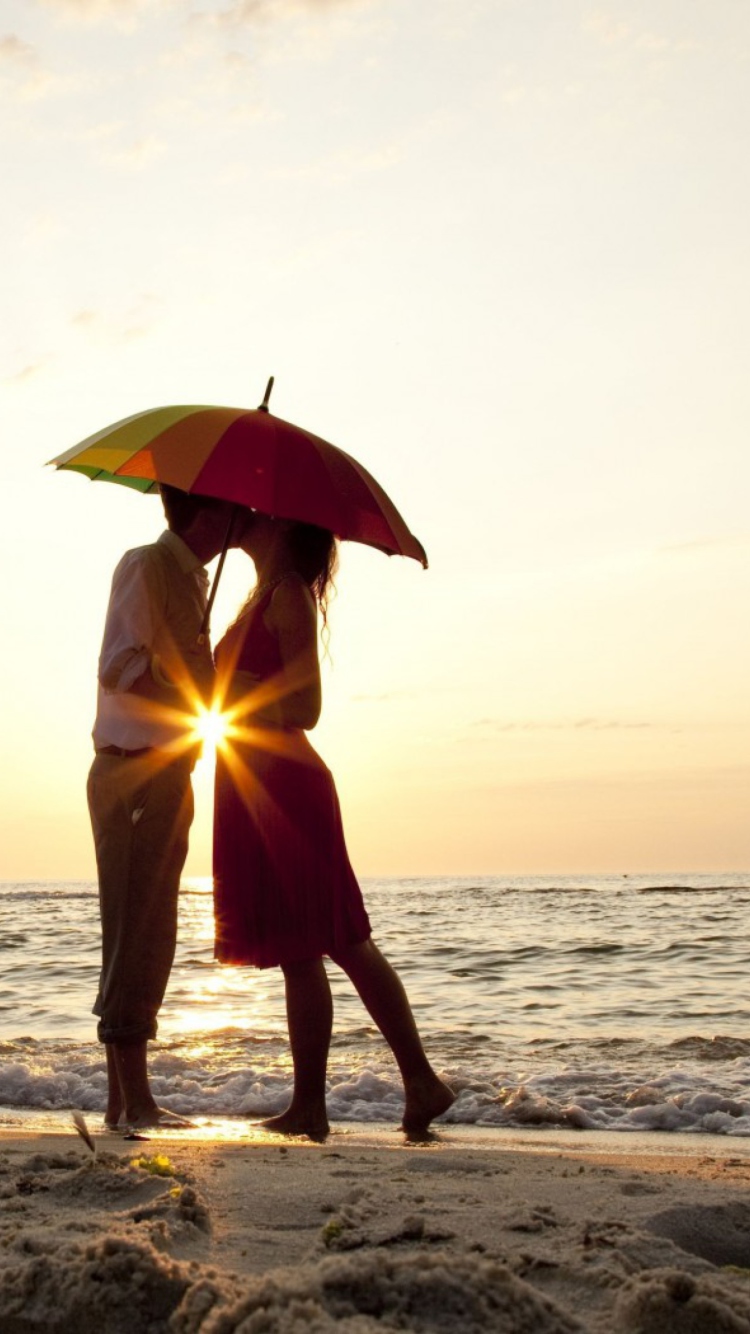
(135, 609)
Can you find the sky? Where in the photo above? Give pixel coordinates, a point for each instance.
(496, 249)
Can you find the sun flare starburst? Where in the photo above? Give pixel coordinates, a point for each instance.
(210, 727)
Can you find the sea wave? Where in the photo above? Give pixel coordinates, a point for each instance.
(704, 1092)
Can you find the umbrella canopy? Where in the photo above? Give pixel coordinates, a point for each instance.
(252, 458)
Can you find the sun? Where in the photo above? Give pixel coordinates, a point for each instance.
(210, 728)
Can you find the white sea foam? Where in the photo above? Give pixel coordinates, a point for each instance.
(587, 1099)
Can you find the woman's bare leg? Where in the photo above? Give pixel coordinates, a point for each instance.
(309, 1010)
(382, 993)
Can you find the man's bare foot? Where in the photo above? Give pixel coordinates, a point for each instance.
(114, 1112)
(425, 1099)
(314, 1125)
(157, 1118)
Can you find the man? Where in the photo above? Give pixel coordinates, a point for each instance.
(154, 668)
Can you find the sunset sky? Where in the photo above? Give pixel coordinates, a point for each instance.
(498, 250)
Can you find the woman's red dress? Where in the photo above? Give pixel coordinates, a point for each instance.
(284, 889)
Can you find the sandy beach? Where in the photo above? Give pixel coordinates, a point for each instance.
(539, 1233)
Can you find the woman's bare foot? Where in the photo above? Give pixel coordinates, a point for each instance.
(291, 1122)
(425, 1099)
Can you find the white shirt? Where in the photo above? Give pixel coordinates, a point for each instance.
(158, 598)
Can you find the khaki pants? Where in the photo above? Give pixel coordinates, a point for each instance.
(141, 810)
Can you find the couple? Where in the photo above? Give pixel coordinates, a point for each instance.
(285, 893)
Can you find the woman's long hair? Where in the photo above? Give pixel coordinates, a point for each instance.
(315, 558)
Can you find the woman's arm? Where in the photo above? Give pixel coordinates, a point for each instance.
(297, 697)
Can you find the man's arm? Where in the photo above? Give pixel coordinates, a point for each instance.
(136, 607)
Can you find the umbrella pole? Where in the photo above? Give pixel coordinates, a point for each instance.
(203, 632)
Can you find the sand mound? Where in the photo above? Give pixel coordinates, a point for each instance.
(113, 1285)
(126, 1288)
(422, 1293)
(718, 1233)
(667, 1301)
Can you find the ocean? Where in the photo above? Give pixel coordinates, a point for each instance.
(614, 1003)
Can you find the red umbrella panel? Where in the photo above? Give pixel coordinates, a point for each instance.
(252, 458)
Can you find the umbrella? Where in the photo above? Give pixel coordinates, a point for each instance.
(251, 458)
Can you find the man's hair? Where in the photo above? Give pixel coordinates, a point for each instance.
(181, 507)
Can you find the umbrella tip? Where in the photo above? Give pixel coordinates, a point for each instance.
(263, 407)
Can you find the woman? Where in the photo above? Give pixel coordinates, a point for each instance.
(285, 892)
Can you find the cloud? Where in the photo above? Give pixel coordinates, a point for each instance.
(239, 18)
(245, 12)
(235, 16)
(346, 164)
(650, 41)
(112, 329)
(20, 67)
(139, 153)
(91, 10)
(386, 696)
(22, 70)
(84, 319)
(135, 154)
(706, 546)
(16, 53)
(416, 692)
(572, 725)
(27, 372)
(611, 30)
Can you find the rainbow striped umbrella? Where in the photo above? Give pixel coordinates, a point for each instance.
(251, 458)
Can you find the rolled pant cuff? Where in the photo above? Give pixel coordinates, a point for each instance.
(126, 1037)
